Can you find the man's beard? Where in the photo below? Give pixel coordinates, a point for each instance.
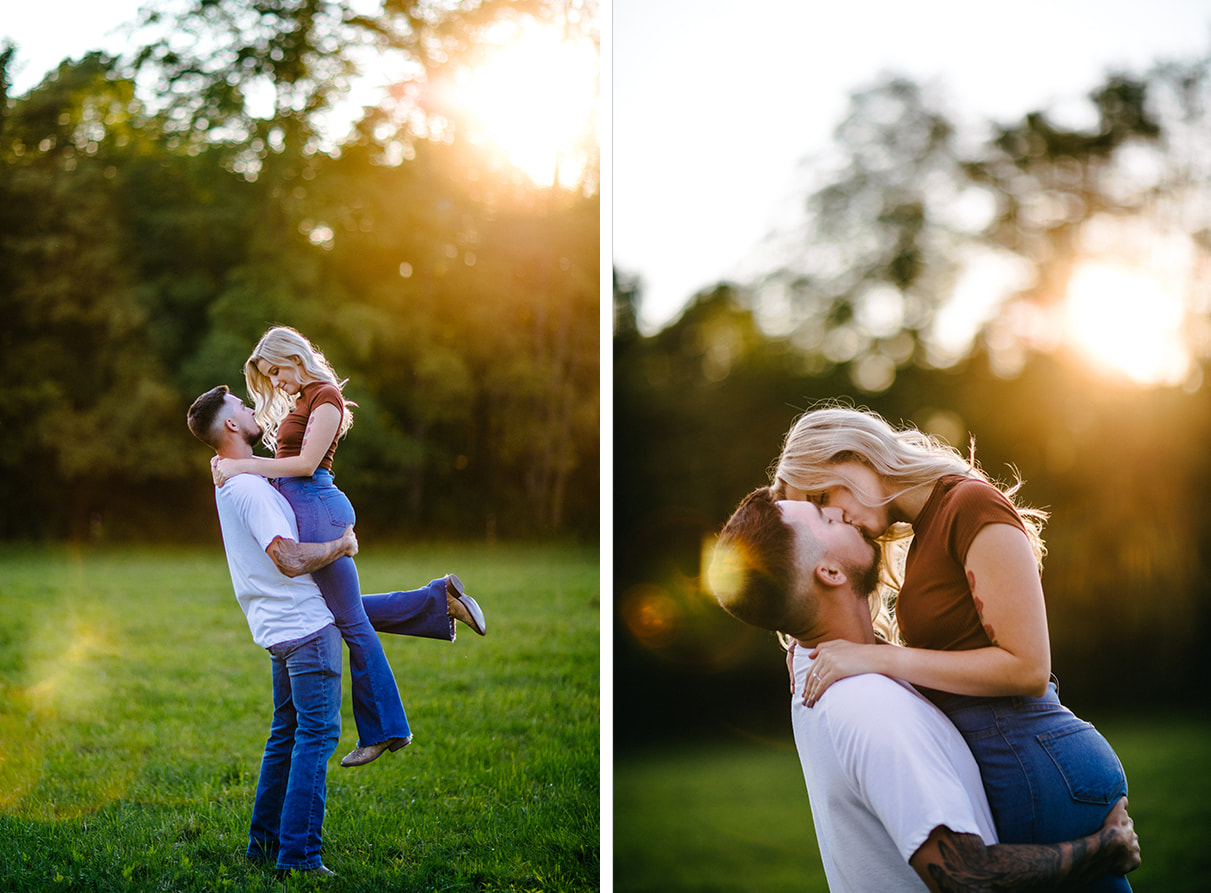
(254, 437)
(866, 577)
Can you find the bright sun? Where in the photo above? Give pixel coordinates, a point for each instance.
(533, 98)
(1124, 321)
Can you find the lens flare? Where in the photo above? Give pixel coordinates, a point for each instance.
(66, 687)
(651, 614)
(724, 569)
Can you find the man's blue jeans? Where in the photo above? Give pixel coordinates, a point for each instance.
(323, 512)
(288, 814)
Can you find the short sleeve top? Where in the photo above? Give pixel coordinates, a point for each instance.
(294, 425)
(935, 608)
(252, 514)
(883, 768)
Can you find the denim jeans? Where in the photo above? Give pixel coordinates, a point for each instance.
(1049, 775)
(323, 512)
(413, 612)
(288, 813)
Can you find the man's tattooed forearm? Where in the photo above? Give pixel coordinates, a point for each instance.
(967, 865)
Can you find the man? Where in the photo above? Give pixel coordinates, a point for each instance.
(895, 794)
(287, 615)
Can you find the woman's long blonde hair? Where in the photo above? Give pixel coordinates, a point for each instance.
(905, 458)
(280, 346)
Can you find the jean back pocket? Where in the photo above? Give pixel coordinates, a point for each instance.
(1087, 763)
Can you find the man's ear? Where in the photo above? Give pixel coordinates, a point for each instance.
(830, 575)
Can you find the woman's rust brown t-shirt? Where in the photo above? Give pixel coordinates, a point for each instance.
(294, 425)
(935, 608)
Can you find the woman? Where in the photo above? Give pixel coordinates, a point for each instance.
(970, 611)
(298, 402)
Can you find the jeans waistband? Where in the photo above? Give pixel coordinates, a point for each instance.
(948, 703)
(321, 476)
(278, 648)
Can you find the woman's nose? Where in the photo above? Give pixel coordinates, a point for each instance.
(833, 513)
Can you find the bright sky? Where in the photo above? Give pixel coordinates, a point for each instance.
(717, 102)
(46, 35)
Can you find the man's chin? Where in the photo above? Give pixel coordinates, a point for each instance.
(866, 579)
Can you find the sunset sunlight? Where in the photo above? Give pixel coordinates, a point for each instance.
(533, 98)
(1126, 322)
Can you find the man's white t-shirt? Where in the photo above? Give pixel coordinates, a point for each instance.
(279, 608)
(883, 767)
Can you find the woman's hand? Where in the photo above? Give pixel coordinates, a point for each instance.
(223, 470)
(834, 661)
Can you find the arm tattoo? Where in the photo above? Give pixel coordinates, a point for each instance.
(968, 865)
(988, 630)
(295, 559)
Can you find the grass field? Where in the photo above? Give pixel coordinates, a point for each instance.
(134, 707)
(736, 817)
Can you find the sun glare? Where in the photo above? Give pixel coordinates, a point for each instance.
(534, 99)
(1125, 322)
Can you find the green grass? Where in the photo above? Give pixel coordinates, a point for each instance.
(736, 817)
(134, 707)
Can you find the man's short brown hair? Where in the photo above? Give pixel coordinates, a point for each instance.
(203, 413)
(754, 573)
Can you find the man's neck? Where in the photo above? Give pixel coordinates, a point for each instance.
(848, 619)
(235, 448)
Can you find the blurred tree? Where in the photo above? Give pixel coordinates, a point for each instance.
(865, 278)
(80, 387)
(265, 78)
(911, 218)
